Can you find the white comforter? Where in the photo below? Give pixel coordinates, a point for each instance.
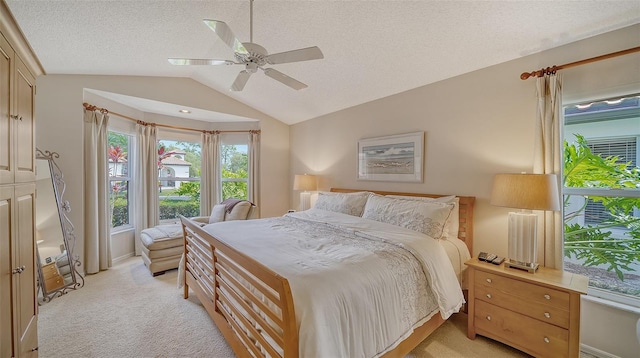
(359, 286)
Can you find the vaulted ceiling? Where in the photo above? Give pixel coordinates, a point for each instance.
(372, 49)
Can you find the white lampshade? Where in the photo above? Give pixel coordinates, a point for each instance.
(526, 191)
(304, 182)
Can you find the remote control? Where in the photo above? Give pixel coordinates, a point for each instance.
(491, 257)
(497, 261)
(482, 256)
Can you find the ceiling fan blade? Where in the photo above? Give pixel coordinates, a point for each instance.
(241, 80)
(200, 61)
(225, 33)
(281, 77)
(303, 54)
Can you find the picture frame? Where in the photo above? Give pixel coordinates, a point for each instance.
(392, 158)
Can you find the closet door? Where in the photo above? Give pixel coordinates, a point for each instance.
(25, 294)
(25, 148)
(6, 228)
(6, 122)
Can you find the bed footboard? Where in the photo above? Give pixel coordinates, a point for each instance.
(251, 305)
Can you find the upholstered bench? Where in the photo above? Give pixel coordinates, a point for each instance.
(162, 245)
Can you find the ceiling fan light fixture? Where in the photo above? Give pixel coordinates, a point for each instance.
(253, 56)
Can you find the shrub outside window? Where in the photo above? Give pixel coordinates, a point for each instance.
(235, 167)
(602, 195)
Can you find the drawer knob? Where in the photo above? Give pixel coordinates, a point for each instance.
(19, 269)
(488, 295)
(489, 280)
(546, 340)
(488, 318)
(547, 297)
(547, 315)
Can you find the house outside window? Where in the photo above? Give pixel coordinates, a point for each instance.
(178, 179)
(119, 179)
(602, 196)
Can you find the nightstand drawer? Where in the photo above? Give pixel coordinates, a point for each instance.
(49, 269)
(542, 339)
(527, 291)
(54, 282)
(545, 313)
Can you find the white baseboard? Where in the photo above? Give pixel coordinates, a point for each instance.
(121, 258)
(596, 352)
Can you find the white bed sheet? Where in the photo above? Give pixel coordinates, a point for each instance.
(458, 253)
(343, 302)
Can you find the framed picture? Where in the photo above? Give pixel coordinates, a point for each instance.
(391, 158)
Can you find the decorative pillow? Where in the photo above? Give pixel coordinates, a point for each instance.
(239, 211)
(422, 216)
(453, 222)
(346, 203)
(217, 213)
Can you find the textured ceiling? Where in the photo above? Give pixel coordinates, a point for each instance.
(372, 49)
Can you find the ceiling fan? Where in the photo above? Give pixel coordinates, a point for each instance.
(253, 56)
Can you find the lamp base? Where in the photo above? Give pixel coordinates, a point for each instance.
(531, 267)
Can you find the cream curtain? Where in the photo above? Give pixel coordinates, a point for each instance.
(146, 184)
(210, 186)
(253, 194)
(97, 216)
(548, 159)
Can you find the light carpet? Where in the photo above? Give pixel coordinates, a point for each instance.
(125, 312)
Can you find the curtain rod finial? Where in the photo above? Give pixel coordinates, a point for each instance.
(525, 75)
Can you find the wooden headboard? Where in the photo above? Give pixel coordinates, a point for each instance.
(465, 231)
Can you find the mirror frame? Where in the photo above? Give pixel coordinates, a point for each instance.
(63, 206)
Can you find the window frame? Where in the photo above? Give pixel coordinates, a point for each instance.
(233, 139)
(177, 136)
(130, 182)
(610, 295)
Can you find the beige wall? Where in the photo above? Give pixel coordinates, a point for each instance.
(59, 128)
(476, 125)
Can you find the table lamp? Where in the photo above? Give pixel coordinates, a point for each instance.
(305, 183)
(526, 192)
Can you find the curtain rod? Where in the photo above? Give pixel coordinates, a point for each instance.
(550, 70)
(91, 107)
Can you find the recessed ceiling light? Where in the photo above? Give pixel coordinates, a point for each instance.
(184, 111)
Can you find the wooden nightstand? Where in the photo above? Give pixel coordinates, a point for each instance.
(537, 313)
(51, 276)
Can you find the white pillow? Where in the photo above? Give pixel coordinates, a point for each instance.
(239, 211)
(346, 203)
(452, 226)
(217, 213)
(427, 217)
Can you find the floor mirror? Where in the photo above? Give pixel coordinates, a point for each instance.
(57, 264)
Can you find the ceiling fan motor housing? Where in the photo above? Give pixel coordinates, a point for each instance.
(256, 54)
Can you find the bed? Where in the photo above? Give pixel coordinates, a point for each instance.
(323, 282)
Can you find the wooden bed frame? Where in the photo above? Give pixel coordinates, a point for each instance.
(253, 306)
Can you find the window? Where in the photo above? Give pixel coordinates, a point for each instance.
(119, 178)
(234, 163)
(178, 179)
(602, 195)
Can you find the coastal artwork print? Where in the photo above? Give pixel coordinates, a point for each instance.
(391, 158)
